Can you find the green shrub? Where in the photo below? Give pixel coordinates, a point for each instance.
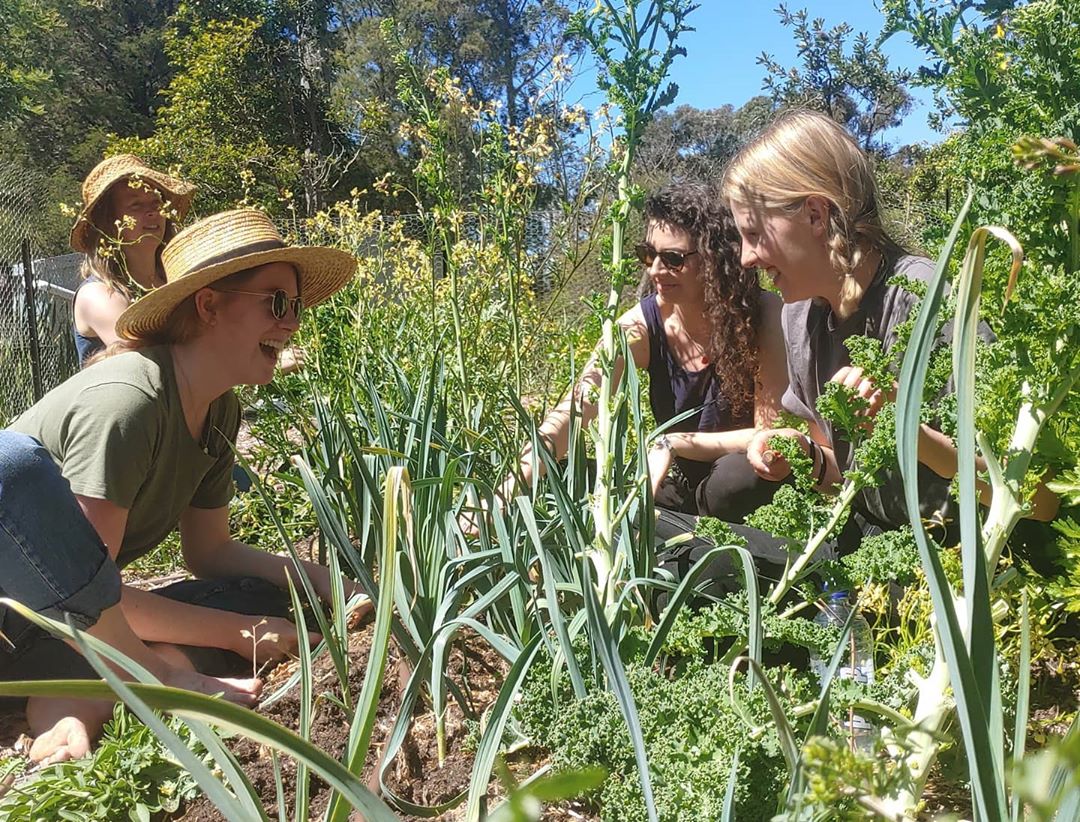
(130, 775)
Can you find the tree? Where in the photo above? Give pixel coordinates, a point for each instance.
(693, 143)
(220, 126)
(855, 86)
(501, 49)
(96, 67)
(24, 25)
(249, 113)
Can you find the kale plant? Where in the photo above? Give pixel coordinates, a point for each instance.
(692, 730)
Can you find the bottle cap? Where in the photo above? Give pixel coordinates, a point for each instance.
(833, 596)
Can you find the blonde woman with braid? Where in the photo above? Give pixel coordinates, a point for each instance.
(805, 202)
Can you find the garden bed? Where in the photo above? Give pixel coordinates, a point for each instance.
(416, 774)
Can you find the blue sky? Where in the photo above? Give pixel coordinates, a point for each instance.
(720, 66)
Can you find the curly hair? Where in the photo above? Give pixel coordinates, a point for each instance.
(732, 293)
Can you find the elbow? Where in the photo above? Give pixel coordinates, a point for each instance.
(1045, 504)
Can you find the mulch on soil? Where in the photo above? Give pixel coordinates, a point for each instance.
(415, 775)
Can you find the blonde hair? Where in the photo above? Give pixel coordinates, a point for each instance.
(805, 154)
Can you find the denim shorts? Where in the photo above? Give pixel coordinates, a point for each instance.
(51, 558)
(53, 561)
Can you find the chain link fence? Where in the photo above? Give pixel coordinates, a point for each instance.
(36, 345)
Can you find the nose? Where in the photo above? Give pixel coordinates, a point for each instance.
(657, 266)
(748, 257)
(290, 322)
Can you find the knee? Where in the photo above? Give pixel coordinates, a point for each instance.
(26, 469)
(733, 489)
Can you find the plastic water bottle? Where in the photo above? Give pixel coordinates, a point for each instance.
(857, 663)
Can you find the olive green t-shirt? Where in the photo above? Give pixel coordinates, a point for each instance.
(117, 431)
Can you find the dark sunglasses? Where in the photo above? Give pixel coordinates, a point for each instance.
(673, 260)
(279, 301)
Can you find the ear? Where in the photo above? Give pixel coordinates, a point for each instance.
(207, 305)
(817, 211)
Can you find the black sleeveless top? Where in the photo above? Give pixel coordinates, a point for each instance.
(85, 346)
(673, 390)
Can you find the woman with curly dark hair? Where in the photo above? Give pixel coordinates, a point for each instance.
(710, 339)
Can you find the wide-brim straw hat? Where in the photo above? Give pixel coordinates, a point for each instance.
(105, 175)
(224, 244)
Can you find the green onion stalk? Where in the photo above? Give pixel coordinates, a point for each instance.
(625, 39)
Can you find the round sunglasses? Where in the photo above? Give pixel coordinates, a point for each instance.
(673, 260)
(280, 301)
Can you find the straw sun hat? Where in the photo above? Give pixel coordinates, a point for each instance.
(111, 171)
(224, 244)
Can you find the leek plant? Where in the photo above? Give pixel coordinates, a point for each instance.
(626, 41)
(967, 656)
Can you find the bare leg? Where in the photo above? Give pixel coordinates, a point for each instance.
(172, 655)
(64, 728)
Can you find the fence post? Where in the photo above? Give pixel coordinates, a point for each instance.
(31, 318)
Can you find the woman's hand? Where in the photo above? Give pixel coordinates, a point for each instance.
(292, 359)
(661, 455)
(271, 639)
(770, 464)
(852, 377)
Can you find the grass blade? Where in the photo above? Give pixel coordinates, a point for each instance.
(1023, 694)
(491, 739)
(607, 649)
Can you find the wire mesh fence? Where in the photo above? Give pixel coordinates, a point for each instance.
(36, 347)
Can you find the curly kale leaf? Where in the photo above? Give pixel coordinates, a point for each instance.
(866, 353)
(802, 464)
(888, 557)
(728, 619)
(1065, 587)
(845, 409)
(718, 532)
(792, 515)
(877, 452)
(691, 728)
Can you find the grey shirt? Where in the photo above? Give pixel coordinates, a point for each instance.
(816, 351)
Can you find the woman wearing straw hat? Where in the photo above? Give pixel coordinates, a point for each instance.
(129, 212)
(143, 443)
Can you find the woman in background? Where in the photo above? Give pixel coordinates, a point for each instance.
(130, 211)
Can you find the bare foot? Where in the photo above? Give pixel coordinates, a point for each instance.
(67, 739)
(363, 609)
(241, 691)
(64, 728)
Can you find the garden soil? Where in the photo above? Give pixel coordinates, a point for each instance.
(415, 774)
